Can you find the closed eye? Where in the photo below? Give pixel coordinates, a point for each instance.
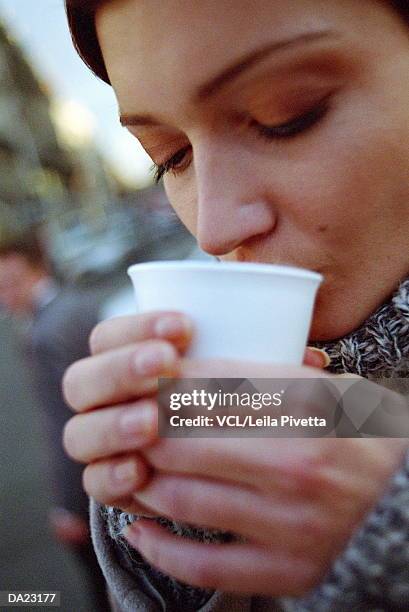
(300, 124)
(295, 126)
(176, 162)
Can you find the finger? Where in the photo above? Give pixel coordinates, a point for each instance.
(264, 463)
(110, 431)
(236, 568)
(130, 506)
(273, 519)
(230, 368)
(313, 470)
(119, 375)
(116, 479)
(244, 460)
(316, 358)
(119, 331)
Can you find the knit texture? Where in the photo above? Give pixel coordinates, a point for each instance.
(380, 347)
(177, 595)
(373, 572)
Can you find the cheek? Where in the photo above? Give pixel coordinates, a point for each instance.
(351, 186)
(181, 193)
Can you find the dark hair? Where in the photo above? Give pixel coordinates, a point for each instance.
(28, 246)
(81, 20)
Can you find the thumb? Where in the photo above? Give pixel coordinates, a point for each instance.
(316, 358)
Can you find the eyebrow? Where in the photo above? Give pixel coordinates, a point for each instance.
(229, 74)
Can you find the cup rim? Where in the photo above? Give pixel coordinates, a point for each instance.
(227, 266)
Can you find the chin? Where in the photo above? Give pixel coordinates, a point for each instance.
(321, 332)
(330, 322)
(327, 329)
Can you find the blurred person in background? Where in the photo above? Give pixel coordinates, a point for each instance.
(60, 318)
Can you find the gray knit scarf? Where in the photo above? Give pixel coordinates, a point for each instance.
(379, 348)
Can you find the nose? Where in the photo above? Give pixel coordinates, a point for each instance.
(232, 202)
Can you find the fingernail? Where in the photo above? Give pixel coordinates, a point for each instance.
(325, 358)
(137, 421)
(151, 360)
(172, 326)
(125, 472)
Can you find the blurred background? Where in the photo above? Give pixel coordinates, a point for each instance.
(73, 176)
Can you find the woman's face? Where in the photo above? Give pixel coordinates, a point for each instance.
(282, 130)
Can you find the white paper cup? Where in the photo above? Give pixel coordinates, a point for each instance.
(243, 311)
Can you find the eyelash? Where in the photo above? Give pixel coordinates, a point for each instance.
(296, 126)
(170, 164)
(288, 130)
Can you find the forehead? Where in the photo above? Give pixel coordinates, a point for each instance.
(157, 49)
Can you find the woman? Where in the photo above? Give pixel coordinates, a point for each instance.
(289, 143)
